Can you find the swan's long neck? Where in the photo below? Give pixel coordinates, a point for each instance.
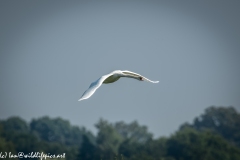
(130, 76)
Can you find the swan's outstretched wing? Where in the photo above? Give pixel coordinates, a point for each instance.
(93, 87)
(137, 76)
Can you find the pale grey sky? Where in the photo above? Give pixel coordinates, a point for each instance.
(50, 52)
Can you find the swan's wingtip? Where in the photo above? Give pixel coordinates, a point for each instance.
(80, 99)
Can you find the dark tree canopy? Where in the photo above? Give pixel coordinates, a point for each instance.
(15, 124)
(58, 130)
(191, 144)
(221, 120)
(213, 135)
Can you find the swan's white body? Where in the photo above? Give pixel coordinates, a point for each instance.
(110, 78)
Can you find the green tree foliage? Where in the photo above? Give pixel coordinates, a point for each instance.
(57, 148)
(191, 144)
(110, 136)
(15, 124)
(152, 150)
(213, 135)
(16, 132)
(133, 131)
(5, 146)
(17, 136)
(222, 120)
(88, 150)
(25, 142)
(58, 130)
(108, 139)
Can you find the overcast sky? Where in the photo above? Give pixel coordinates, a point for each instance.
(51, 51)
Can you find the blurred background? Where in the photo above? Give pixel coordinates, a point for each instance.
(51, 51)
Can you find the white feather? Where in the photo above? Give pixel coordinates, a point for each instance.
(110, 78)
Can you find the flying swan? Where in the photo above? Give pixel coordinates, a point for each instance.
(110, 78)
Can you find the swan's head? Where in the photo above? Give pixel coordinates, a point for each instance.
(140, 78)
(131, 75)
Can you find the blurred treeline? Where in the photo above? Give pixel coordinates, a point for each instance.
(214, 135)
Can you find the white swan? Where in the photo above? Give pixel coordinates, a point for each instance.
(110, 78)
